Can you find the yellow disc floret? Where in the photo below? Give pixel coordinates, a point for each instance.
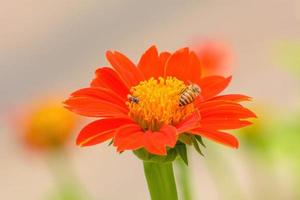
(158, 103)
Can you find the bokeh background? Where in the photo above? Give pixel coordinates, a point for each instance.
(50, 48)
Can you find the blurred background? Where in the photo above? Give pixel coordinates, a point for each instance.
(50, 48)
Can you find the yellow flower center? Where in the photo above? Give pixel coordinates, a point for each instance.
(153, 103)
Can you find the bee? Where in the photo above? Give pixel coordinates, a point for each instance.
(189, 94)
(133, 99)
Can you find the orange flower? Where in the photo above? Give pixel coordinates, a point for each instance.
(154, 120)
(215, 56)
(47, 126)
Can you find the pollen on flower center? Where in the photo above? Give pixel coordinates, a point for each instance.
(158, 103)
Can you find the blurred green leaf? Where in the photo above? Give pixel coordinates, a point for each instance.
(67, 192)
(287, 54)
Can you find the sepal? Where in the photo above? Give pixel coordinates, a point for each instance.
(182, 152)
(111, 142)
(149, 157)
(199, 139)
(185, 138)
(196, 145)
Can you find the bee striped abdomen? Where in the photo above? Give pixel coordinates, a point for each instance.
(186, 98)
(188, 95)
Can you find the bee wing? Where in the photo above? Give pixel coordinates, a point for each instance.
(182, 91)
(190, 82)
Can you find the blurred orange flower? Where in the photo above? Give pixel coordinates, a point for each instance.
(47, 126)
(151, 104)
(216, 57)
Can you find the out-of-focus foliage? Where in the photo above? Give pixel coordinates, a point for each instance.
(258, 137)
(66, 192)
(287, 54)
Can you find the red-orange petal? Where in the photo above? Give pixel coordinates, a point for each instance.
(108, 78)
(233, 97)
(168, 134)
(213, 85)
(153, 145)
(212, 104)
(218, 136)
(93, 107)
(184, 65)
(156, 142)
(227, 111)
(101, 94)
(191, 122)
(98, 82)
(125, 68)
(224, 123)
(100, 131)
(150, 64)
(131, 137)
(164, 56)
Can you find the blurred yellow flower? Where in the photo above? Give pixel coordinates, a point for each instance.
(48, 126)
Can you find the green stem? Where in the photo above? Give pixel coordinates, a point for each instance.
(161, 181)
(184, 180)
(68, 186)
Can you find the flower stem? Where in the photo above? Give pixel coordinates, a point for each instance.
(184, 180)
(68, 186)
(161, 181)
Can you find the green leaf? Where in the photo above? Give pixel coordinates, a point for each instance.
(196, 146)
(182, 152)
(199, 139)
